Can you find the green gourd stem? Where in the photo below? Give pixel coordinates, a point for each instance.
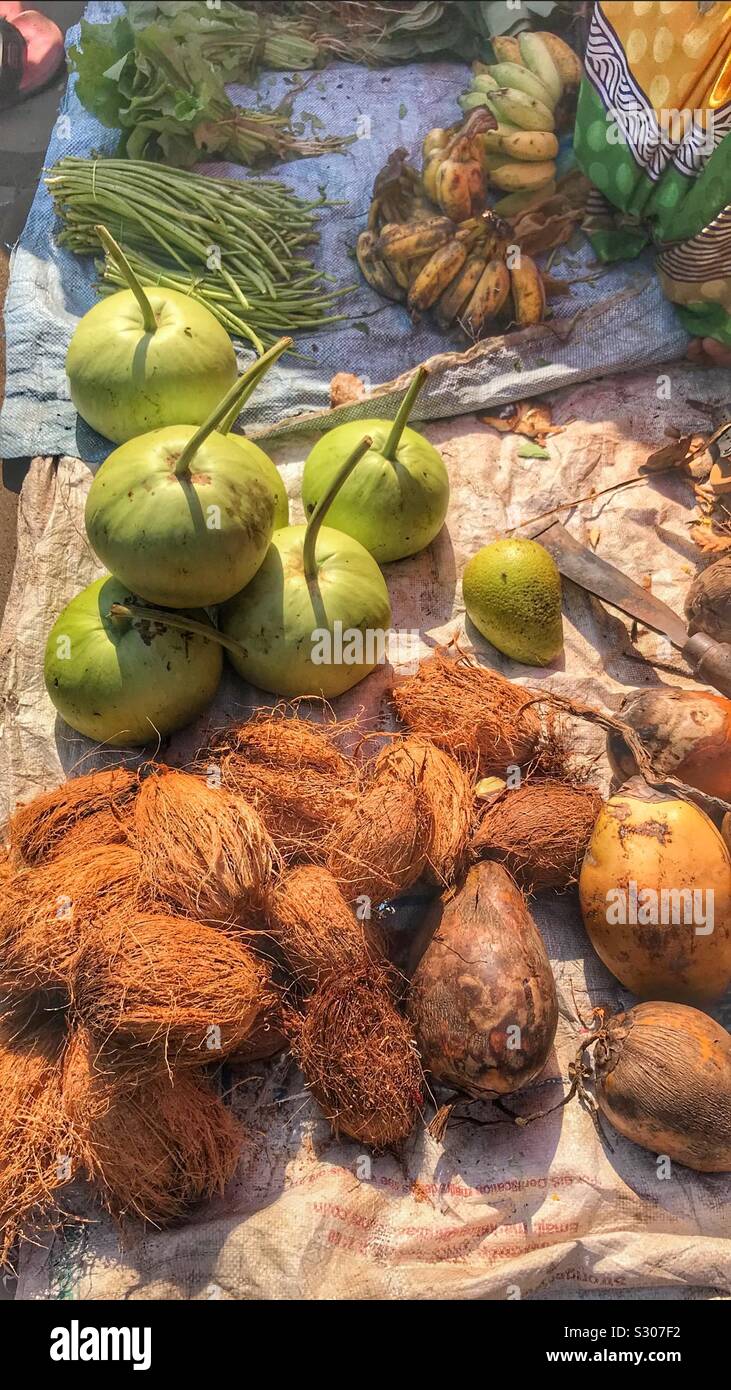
(181, 624)
(257, 370)
(324, 504)
(405, 409)
(231, 400)
(114, 250)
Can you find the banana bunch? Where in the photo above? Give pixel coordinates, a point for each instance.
(468, 273)
(522, 91)
(453, 175)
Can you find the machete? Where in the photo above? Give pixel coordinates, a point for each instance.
(710, 661)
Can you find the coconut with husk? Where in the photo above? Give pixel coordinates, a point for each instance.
(33, 1143)
(96, 805)
(204, 851)
(312, 927)
(381, 846)
(358, 1057)
(292, 772)
(152, 1146)
(539, 830)
(48, 912)
(185, 992)
(473, 713)
(445, 791)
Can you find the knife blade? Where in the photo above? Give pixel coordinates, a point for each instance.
(709, 660)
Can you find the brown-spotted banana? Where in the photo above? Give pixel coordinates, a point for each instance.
(535, 55)
(529, 295)
(438, 272)
(488, 297)
(505, 48)
(569, 65)
(374, 270)
(459, 292)
(403, 241)
(516, 176)
(533, 146)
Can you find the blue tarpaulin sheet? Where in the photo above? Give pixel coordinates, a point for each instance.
(611, 322)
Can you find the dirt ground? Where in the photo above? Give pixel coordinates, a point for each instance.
(24, 135)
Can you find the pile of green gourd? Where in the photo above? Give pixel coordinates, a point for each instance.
(187, 516)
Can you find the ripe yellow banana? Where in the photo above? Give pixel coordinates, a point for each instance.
(438, 272)
(522, 110)
(454, 190)
(402, 241)
(456, 295)
(567, 62)
(435, 139)
(529, 295)
(488, 297)
(535, 55)
(374, 270)
(518, 76)
(429, 174)
(492, 139)
(531, 145)
(505, 48)
(515, 176)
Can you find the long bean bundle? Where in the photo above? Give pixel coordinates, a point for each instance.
(236, 246)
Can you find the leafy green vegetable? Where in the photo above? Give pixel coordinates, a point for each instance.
(528, 450)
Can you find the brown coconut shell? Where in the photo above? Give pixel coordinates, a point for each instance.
(204, 851)
(359, 1059)
(33, 1139)
(313, 929)
(292, 772)
(46, 913)
(471, 712)
(540, 831)
(381, 847)
(152, 1147)
(446, 793)
(708, 604)
(163, 983)
(39, 831)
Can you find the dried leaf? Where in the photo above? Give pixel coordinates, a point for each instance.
(678, 454)
(594, 534)
(708, 541)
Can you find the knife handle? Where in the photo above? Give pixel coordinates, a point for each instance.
(710, 661)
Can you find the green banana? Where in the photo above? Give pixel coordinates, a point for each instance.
(523, 111)
(518, 76)
(374, 270)
(469, 101)
(485, 82)
(536, 56)
(514, 176)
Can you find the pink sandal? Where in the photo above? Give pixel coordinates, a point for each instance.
(31, 51)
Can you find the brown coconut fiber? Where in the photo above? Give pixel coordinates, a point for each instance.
(46, 914)
(292, 773)
(152, 1147)
(540, 831)
(446, 792)
(38, 831)
(204, 851)
(359, 1059)
(471, 712)
(312, 927)
(187, 993)
(381, 846)
(33, 1141)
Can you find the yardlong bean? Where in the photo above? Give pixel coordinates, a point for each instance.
(236, 246)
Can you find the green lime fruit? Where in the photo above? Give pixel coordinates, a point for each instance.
(123, 679)
(396, 500)
(512, 594)
(143, 359)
